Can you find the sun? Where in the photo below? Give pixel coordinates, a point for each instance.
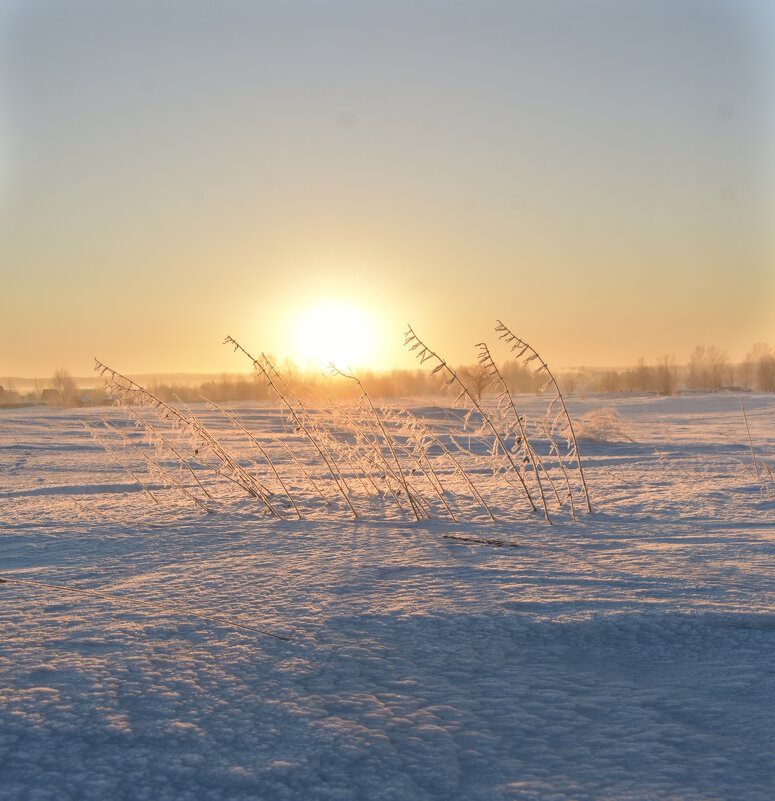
(334, 332)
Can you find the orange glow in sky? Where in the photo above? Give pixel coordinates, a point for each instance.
(310, 177)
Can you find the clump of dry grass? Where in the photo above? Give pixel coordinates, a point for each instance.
(603, 425)
(423, 437)
(362, 451)
(127, 393)
(419, 505)
(267, 458)
(301, 417)
(424, 353)
(515, 441)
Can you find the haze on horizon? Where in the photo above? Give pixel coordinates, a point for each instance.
(598, 174)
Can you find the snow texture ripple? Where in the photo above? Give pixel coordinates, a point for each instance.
(629, 656)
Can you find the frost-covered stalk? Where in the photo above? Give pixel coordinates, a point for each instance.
(430, 476)
(369, 459)
(277, 378)
(165, 443)
(351, 453)
(367, 439)
(244, 479)
(301, 467)
(387, 436)
(486, 360)
(272, 384)
(413, 502)
(239, 426)
(527, 354)
(418, 453)
(126, 392)
(424, 354)
(771, 475)
(154, 465)
(767, 470)
(554, 450)
(750, 442)
(456, 464)
(97, 438)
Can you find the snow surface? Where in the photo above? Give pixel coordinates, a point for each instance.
(629, 655)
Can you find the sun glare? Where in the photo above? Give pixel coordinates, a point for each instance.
(334, 333)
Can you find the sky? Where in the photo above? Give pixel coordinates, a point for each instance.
(597, 174)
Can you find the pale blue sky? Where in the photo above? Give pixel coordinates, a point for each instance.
(597, 173)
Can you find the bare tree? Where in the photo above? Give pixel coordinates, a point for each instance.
(639, 378)
(519, 378)
(666, 375)
(477, 378)
(708, 368)
(571, 381)
(610, 381)
(762, 358)
(718, 367)
(744, 373)
(63, 384)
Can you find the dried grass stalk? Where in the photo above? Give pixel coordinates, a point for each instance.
(526, 355)
(277, 384)
(486, 360)
(424, 353)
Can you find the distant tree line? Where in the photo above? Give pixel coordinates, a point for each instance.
(707, 370)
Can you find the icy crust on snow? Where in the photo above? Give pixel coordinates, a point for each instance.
(628, 656)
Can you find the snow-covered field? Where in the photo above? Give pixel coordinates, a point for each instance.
(630, 655)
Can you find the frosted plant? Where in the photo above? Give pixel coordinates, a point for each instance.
(229, 465)
(527, 356)
(416, 446)
(166, 477)
(301, 417)
(163, 442)
(368, 453)
(425, 434)
(364, 453)
(365, 450)
(603, 425)
(128, 393)
(409, 493)
(762, 469)
(554, 452)
(240, 427)
(387, 428)
(108, 449)
(525, 450)
(424, 354)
